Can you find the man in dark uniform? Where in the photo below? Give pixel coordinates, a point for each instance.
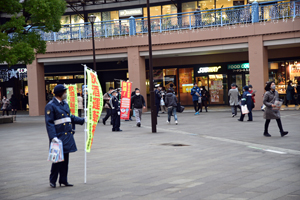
(59, 127)
(115, 111)
(157, 98)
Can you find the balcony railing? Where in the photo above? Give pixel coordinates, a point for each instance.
(256, 12)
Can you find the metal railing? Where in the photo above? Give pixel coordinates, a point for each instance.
(256, 12)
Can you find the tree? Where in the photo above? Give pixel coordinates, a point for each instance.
(19, 35)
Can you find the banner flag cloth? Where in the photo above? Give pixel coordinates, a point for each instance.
(125, 100)
(94, 106)
(72, 99)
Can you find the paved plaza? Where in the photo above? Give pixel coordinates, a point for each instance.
(220, 158)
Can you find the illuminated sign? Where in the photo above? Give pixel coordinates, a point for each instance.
(130, 12)
(239, 66)
(208, 69)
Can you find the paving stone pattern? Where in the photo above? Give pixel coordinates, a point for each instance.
(224, 159)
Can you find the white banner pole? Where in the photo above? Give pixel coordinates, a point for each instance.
(85, 123)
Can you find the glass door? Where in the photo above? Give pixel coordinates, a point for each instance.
(238, 80)
(216, 89)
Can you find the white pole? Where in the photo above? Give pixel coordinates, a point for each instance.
(85, 123)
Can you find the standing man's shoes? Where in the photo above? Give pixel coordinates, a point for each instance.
(283, 133)
(53, 185)
(66, 184)
(266, 134)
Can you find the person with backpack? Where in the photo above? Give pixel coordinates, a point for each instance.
(138, 103)
(171, 104)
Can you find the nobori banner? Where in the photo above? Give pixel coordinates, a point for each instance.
(238, 66)
(94, 107)
(125, 100)
(72, 99)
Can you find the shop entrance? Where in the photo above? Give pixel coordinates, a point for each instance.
(240, 80)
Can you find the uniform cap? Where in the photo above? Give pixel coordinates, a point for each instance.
(59, 88)
(114, 91)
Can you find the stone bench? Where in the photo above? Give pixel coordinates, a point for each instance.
(6, 119)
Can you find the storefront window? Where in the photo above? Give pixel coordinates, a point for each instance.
(206, 5)
(75, 19)
(186, 82)
(49, 78)
(65, 20)
(78, 76)
(189, 6)
(216, 89)
(98, 16)
(110, 15)
(169, 9)
(108, 85)
(63, 77)
(154, 10)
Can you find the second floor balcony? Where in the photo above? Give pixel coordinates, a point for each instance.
(247, 14)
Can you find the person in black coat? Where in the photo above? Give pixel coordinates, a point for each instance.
(59, 127)
(157, 98)
(138, 103)
(204, 97)
(14, 104)
(298, 92)
(115, 111)
(246, 100)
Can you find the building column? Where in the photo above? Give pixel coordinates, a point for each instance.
(36, 88)
(137, 71)
(259, 71)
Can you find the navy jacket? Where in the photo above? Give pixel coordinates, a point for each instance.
(59, 124)
(247, 100)
(157, 96)
(193, 93)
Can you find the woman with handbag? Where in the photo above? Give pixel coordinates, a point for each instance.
(271, 112)
(5, 105)
(246, 106)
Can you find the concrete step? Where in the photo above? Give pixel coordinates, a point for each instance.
(6, 119)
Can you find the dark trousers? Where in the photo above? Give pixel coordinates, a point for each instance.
(115, 120)
(249, 116)
(157, 107)
(4, 111)
(79, 112)
(279, 124)
(108, 114)
(60, 168)
(197, 104)
(204, 103)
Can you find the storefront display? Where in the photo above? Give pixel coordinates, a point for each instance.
(281, 72)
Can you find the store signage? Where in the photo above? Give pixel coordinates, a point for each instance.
(94, 107)
(131, 12)
(125, 100)
(208, 69)
(239, 66)
(6, 74)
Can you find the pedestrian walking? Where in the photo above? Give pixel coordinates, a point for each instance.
(106, 98)
(298, 93)
(115, 111)
(290, 94)
(5, 106)
(14, 106)
(157, 98)
(171, 103)
(59, 127)
(233, 95)
(252, 92)
(271, 95)
(195, 92)
(49, 96)
(132, 94)
(139, 104)
(80, 104)
(162, 100)
(204, 98)
(246, 100)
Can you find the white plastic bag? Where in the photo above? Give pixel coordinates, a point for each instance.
(162, 103)
(244, 109)
(56, 153)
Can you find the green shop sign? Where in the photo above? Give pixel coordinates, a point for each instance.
(238, 66)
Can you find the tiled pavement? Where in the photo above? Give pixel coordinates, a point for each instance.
(224, 159)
